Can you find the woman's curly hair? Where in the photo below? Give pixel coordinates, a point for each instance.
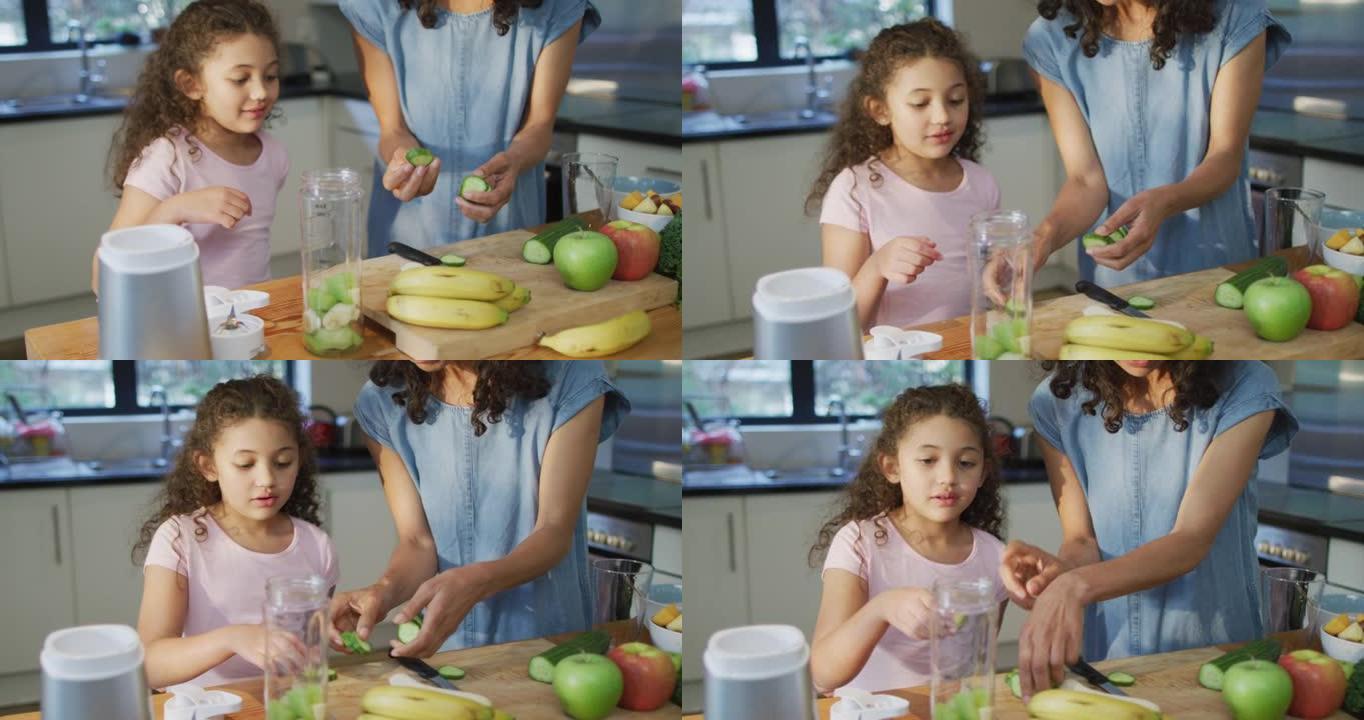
(500, 383)
(1173, 18)
(504, 11)
(158, 108)
(871, 495)
(858, 136)
(1198, 383)
(187, 491)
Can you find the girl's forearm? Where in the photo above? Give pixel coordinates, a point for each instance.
(1150, 565)
(1078, 553)
(837, 656)
(1077, 206)
(868, 287)
(175, 660)
(165, 213)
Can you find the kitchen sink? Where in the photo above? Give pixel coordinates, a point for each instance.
(710, 122)
(814, 475)
(65, 101)
(66, 469)
(128, 466)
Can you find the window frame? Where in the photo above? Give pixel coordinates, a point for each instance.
(38, 32)
(124, 374)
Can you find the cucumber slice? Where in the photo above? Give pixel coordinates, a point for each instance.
(473, 183)
(420, 156)
(407, 632)
(1095, 240)
(331, 673)
(1121, 679)
(1141, 302)
(354, 644)
(451, 672)
(1015, 685)
(452, 260)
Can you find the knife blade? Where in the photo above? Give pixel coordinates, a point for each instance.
(426, 672)
(413, 254)
(1094, 292)
(1095, 678)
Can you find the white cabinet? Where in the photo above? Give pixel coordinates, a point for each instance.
(303, 133)
(1343, 184)
(1021, 153)
(55, 203)
(713, 531)
(706, 298)
(105, 520)
(667, 556)
(38, 593)
(635, 158)
(1345, 562)
(782, 586)
(1030, 516)
(356, 515)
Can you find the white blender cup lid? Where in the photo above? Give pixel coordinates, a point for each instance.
(756, 652)
(148, 248)
(91, 652)
(803, 294)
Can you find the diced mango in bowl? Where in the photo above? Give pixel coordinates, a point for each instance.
(1347, 240)
(651, 203)
(1346, 627)
(669, 617)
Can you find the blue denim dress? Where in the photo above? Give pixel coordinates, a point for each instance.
(1134, 481)
(481, 495)
(463, 90)
(1150, 128)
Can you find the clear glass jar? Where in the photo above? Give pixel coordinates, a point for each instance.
(331, 212)
(962, 649)
(296, 654)
(1001, 285)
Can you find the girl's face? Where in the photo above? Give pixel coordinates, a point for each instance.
(238, 84)
(255, 463)
(926, 107)
(939, 466)
(1139, 368)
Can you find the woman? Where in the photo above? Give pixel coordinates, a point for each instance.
(476, 82)
(1151, 466)
(485, 467)
(1151, 103)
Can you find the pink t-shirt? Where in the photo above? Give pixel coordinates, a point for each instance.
(899, 661)
(230, 258)
(227, 581)
(895, 208)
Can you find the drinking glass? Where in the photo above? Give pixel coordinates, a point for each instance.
(1293, 217)
(589, 179)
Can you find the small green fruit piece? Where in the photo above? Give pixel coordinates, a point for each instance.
(452, 260)
(451, 672)
(473, 184)
(1121, 679)
(355, 644)
(420, 156)
(1141, 302)
(986, 347)
(320, 300)
(1095, 240)
(331, 673)
(407, 632)
(1014, 307)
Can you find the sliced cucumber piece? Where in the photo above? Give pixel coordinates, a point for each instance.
(452, 260)
(451, 672)
(1141, 302)
(407, 632)
(1121, 679)
(473, 183)
(331, 673)
(1095, 240)
(354, 644)
(420, 156)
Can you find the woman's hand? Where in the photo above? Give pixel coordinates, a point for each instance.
(357, 611)
(1142, 213)
(903, 258)
(405, 180)
(219, 205)
(1051, 635)
(447, 598)
(911, 611)
(482, 206)
(1027, 570)
(253, 643)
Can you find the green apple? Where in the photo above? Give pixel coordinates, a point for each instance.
(588, 686)
(1278, 308)
(1257, 689)
(585, 259)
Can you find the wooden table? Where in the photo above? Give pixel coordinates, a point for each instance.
(496, 671)
(79, 339)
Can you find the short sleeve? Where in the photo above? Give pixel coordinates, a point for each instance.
(284, 165)
(167, 549)
(1043, 411)
(840, 207)
(367, 17)
(995, 556)
(153, 171)
(1254, 389)
(846, 552)
(576, 383)
(374, 409)
(1244, 21)
(331, 566)
(564, 13)
(1040, 48)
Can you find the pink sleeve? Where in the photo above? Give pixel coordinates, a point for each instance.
(331, 567)
(846, 553)
(153, 171)
(841, 206)
(997, 556)
(994, 191)
(283, 164)
(166, 549)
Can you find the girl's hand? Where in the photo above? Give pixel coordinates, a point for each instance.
(252, 643)
(447, 598)
(1051, 635)
(1142, 214)
(218, 205)
(405, 180)
(357, 611)
(911, 611)
(482, 206)
(1027, 570)
(903, 258)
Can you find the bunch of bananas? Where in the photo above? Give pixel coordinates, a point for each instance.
(393, 702)
(1075, 705)
(1120, 337)
(603, 338)
(454, 298)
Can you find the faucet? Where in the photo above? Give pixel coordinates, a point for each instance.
(88, 79)
(167, 439)
(813, 92)
(846, 452)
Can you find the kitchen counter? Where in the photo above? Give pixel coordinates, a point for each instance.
(634, 497)
(79, 339)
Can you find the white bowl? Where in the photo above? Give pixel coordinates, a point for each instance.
(1353, 264)
(656, 222)
(1337, 599)
(660, 596)
(669, 641)
(1351, 652)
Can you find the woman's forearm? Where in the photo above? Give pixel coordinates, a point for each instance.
(542, 549)
(529, 146)
(837, 656)
(411, 564)
(1079, 203)
(1206, 183)
(1148, 566)
(170, 661)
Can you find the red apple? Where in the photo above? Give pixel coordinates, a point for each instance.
(638, 247)
(649, 675)
(1318, 683)
(1335, 296)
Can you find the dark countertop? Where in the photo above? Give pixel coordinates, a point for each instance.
(623, 119)
(641, 498)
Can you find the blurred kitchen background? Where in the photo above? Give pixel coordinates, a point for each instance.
(764, 79)
(83, 447)
(60, 100)
(780, 439)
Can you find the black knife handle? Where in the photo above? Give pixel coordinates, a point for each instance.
(413, 254)
(1088, 672)
(1095, 292)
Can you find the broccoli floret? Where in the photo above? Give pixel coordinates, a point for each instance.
(1354, 692)
(670, 253)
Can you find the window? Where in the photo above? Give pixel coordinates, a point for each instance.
(121, 386)
(31, 25)
(762, 392)
(747, 33)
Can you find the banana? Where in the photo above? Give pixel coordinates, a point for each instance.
(1074, 684)
(451, 282)
(1199, 349)
(1071, 351)
(604, 338)
(1097, 309)
(445, 312)
(1128, 333)
(1073, 705)
(514, 300)
(405, 703)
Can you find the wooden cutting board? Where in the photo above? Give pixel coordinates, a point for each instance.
(1188, 299)
(553, 306)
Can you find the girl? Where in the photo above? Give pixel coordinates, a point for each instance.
(239, 507)
(485, 467)
(926, 505)
(192, 150)
(900, 182)
(1151, 465)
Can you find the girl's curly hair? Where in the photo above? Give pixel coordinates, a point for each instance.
(858, 136)
(504, 11)
(158, 108)
(500, 383)
(871, 495)
(1198, 383)
(1173, 18)
(187, 491)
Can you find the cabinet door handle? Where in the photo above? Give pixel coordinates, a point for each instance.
(729, 520)
(662, 171)
(57, 533)
(705, 187)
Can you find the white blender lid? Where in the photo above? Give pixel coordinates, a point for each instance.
(756, 652)
(148, 249)
(803, 294)
(91, 652)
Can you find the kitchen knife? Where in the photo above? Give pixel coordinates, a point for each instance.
(413, 254)
(1094, 292)
(1095, 678)
(427, 672)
